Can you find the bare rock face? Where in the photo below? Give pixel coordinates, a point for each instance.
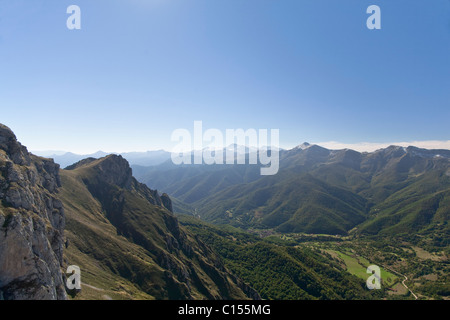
(167, 202)
(31, 224)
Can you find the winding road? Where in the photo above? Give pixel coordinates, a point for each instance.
(403, 282)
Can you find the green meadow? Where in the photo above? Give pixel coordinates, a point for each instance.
(357, 266)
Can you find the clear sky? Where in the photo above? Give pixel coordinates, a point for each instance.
(139, 69)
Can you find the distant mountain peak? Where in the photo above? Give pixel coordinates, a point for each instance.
(303, 146)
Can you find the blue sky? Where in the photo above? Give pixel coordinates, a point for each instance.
(139, 69)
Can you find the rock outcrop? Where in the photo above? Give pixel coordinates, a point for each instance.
(31, 224)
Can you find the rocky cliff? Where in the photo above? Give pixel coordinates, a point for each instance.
(31, 224)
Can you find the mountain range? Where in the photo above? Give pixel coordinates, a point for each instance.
(147, 158)
(317, 190)
(222, 231)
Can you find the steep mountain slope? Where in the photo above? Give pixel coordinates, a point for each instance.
(289, 203)
(126, 241)
(31, 224)
(423, 204)
(191, 183)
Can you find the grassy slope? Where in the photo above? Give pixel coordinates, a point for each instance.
(95, 247)
(129, 258)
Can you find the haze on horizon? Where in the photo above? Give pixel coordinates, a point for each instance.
(332, 145)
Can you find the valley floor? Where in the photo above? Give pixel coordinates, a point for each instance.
(408, 270)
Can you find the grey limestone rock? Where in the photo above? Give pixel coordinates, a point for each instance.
(31, 224)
